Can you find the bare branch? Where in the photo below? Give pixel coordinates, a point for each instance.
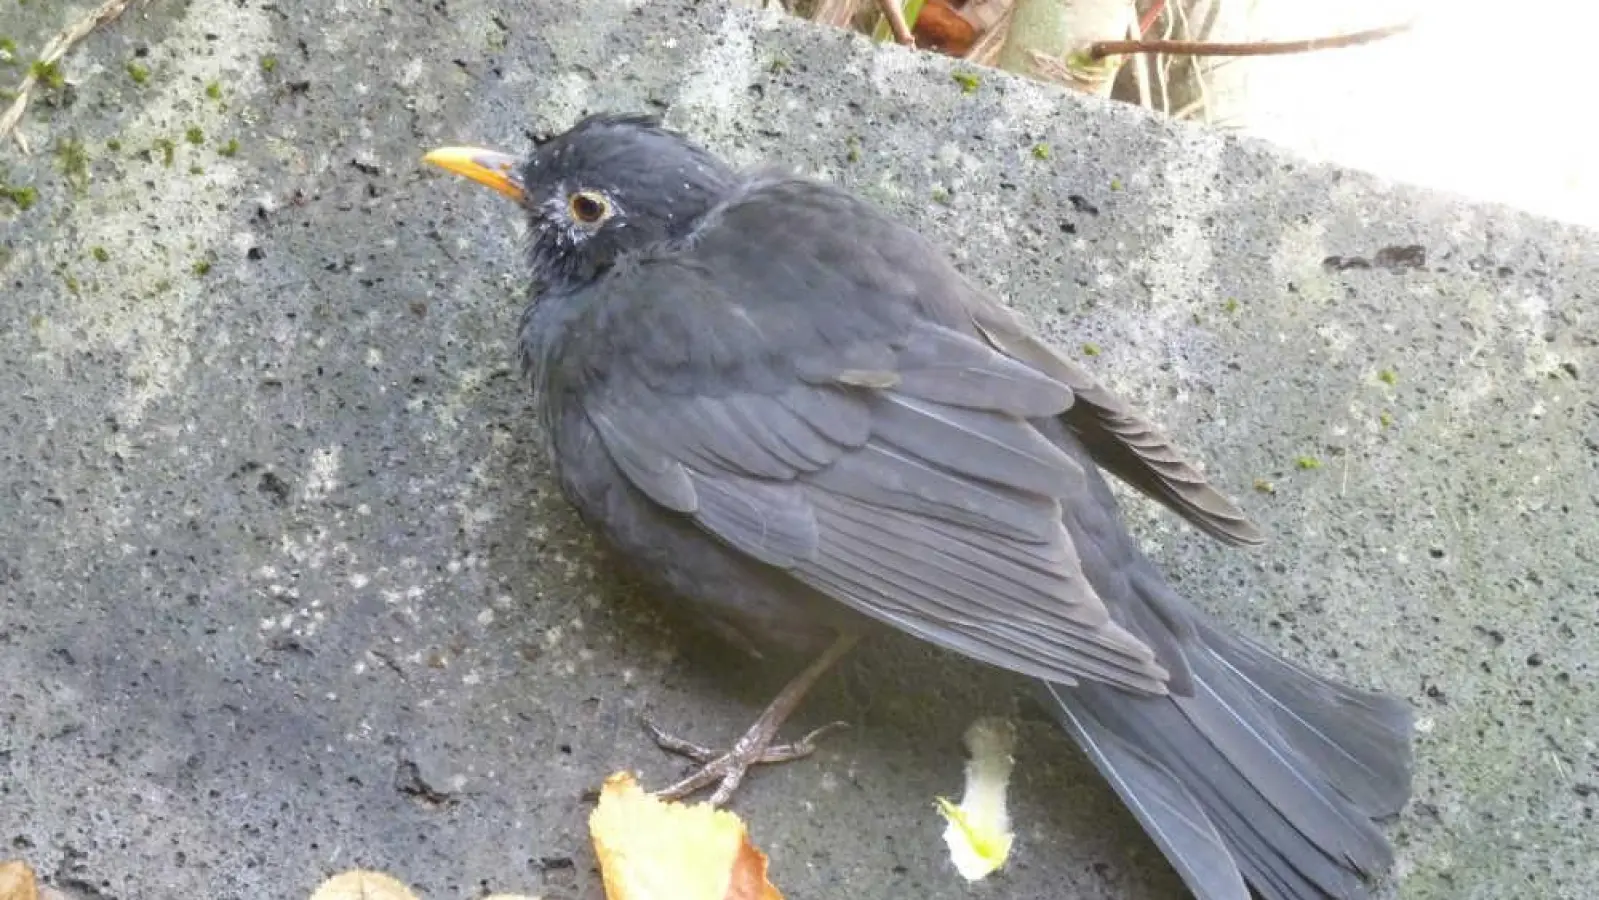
(1102, 49)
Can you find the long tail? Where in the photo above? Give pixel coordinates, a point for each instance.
(1262, 773)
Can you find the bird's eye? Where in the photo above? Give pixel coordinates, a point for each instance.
(588, 207)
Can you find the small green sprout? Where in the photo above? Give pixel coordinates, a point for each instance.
(22, 198)
(74, 162)
(47, 74)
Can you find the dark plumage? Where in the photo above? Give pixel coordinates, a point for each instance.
(794, 413)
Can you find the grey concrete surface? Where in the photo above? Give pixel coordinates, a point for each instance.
(284, 587)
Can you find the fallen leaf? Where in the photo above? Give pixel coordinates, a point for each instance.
(359, 884)
(650, 849)
(16, 882)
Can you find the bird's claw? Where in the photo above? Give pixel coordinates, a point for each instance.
(727, 769)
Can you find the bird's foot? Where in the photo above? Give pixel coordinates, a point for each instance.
(755, 747)
(726, 769)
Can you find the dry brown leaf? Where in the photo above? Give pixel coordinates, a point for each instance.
(17, 882)
(650, 849)
(360, 884)
(939, 27)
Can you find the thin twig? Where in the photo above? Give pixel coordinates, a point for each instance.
(1196, 105)
(1196, 67)
(1141, 73)
(1162, 62)
(986, 48)
(53, 51)
(896, 22)
(1102, 49)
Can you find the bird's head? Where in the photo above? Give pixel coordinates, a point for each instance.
(609, 186)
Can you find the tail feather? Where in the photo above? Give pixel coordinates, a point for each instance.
(1236, 775)
(1167, 810)
(1246, 738)
(1360, 740)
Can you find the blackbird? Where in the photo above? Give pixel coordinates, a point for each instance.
(798, 418)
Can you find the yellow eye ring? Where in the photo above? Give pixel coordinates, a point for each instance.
(588, 207)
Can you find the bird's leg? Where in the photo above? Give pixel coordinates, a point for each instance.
(755, 746)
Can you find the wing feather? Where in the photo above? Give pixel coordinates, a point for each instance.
(883, 455)
(1119, 439)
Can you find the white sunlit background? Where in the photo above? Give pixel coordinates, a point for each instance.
(1486, 99)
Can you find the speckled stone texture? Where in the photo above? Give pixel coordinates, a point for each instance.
(285, 588)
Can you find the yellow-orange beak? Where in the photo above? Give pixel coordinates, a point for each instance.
(486, 167)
